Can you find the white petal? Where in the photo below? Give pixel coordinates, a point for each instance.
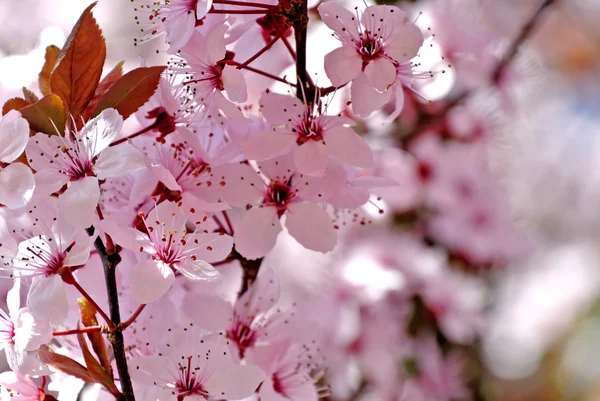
(30, 332)
(179, 30)
(311, 226)
(118, 161)
(212, 247)
(257, 232)
(16, 185)
(150, 280)
(348, 147)
(100, 131)
(14, 135)
(150, 370)
(197, 270)
(210, 311)
(78, 203)
(47, 299)
(215, 44)
(202, 8)
(234, 382)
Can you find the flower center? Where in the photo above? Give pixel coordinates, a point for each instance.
(7, 329)
(187, 383)
(308, 130)
(370, 48)
(242, 335)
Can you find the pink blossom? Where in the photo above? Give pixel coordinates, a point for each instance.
(16, 179)
(373, 47)
(176, 18)
(46, 257)
(21, 334)
(285, 193)
(313, 137)
(14, 386)
(172, 247)
(195, 367)
(79, 159)
(208, 73)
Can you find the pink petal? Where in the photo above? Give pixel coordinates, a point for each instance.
(280, 109)
(202, 8)
(260, 297)
(16, 185)
(406, 42)
(197, 270)
(339, 18)
(229, 109)
(257, 232)
(100, 131)
(165, 176)
(365, 99)
(179, 30)
(242, 184)
(48, 181)
(210, 311)
(268, 144)
(212, 247)
(234, 382)
(47, 299)
(382, 19)
(149, 280)
(78, 203)
(30, 332)
(150, 370)
(311, 226)
(348, 147)
(215, 44)
(311, 158)
(381, 73)
(14, 135)
(342, 65)
(118, 161)
(234, 84)
(268, 393)
(20, 384)
(37, 149)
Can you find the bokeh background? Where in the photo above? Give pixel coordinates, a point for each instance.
(541, 340)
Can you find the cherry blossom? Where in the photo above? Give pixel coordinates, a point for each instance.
(14, 386)
(285, 193)
(21, 334)
(79, 159)
(172, 247)
(46, 258)
(374, 45)
(313, 137)
(16, 179)
(193, 366)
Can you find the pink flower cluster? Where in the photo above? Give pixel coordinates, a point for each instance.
(196, 201)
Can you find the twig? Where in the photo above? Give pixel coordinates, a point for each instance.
(135, 315)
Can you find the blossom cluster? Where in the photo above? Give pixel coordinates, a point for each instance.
(125, 250)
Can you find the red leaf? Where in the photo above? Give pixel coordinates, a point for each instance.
(94, 368)
(16, 103)
(79, 65)
(131, 91)
(103, 86)
(64, 364)
(40, 114)
(51, 56)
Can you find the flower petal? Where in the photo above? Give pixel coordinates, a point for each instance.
(342, 65)
(348, 147)
(311, 158)
(234, 382)
(78, 203)
(16, 185)
(14, 135)
(197, 270)
(406, 43)
(257, 232)
(47, 299)
(365, 99)
(311, 226)
(118, 161)
(179, 30)
(338, 18)
(234, 84)
(268, 144)
(149, 280)
(100, 131)
(381, 73)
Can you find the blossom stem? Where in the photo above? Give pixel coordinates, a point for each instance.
(140, 132)
(289, 47)
(261, 51)
(244, 4)
(217, 11)
(110, 262)
(523, 35)
(220, 226)
(83, 330)
(263, 73)
(135, 315)
(87, 296)
(300, 33)
(229, 225)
